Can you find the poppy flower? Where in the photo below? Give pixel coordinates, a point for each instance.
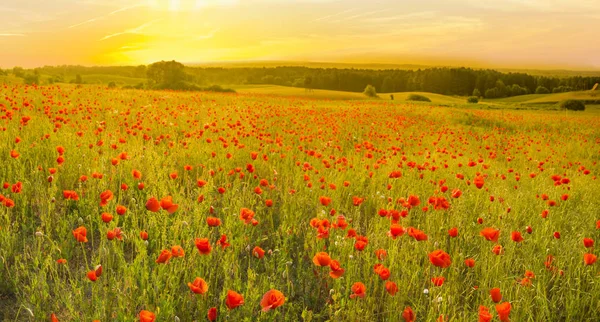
(496, 295)
(223, 241)
(336, 270)
(588, 242)
(440, 258)
(325, 201)
(453, 232)
(358, 290)
(258, 252)
(105, 197)
(144, 235)
(498, 250)
(479, 182)
(203, 246)
(469, 262)
(53, 318)
(391, 288)
(234, 299)
(153, 205)
(70, 195)
(177, 251)
(246, 215)
(356, 201)
(106, 217)
(456, 193)
(503, 310)
(61, 261)
(91, 275)
(418, 235)
(396, 231)
(164, 257)
(408, 315)
(438, 281)
(199, 286)
(490, 234)
(213, 221)
(321, 259)
(589, 259)
(80, 234)
(147, 316)
(516, 237)
(167, 204)
(381, 254)
(212, 314)
(121, 210)
(484, 314)
(272, 299)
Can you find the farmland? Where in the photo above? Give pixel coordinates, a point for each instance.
(120, 203)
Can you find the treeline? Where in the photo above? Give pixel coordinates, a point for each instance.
(448, 81)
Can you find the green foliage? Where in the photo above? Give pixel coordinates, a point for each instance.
(492, 93)
(541, 90)
(572, 105)
(112, 85)
(473, 99)
(476, 93)
(418, 98)
(31, 79)
(562, 89)
(219, 89)
(167, 75)
(370, 91)
(18, 72)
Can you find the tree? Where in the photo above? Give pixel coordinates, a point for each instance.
(78, 79)
(18, 72)
(541, 90)
(370, 91)
(308, 83)
(476, 93)
(112, 85)
(491, 93)
(166, 74)
(473, 100)
(572, 105)
(388, 85)
(32, 79)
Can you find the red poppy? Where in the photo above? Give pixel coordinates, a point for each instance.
(80, 234)
(484, 314)
(167, 204)
(164, 257)
(496, 295)
(213, 221)
(212, 314)
(203, 246)
(177, 251)
(147, 316)
(453, 232)
(272, 299)
(440, 258)
(589, 259)
(322, 259)
(469, 262)
(503, 310)
(199, 286)
(391, 288)
(516, 237)
(588, 242)
(438, 281)
(336, 270)
(153, 205)
(408, 314)
(258, 252)
(358, 290)
(490, 234)
(234, 299)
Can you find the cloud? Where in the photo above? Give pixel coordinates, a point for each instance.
(136, 30)
(107, 15)
(209, 35)
(11, 35)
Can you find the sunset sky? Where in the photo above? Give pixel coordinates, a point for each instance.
(495, 33)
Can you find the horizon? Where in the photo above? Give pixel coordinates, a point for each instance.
(478, 34)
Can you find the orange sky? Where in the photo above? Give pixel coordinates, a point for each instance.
(500, 33)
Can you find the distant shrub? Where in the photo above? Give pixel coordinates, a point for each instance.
(32, 79)
(476, 93)
(418, 98)
(472, 100)
(572, 105)
(112, 85)
(562, 89)
(541, 90)
(370, 91)
(219, 89)
(491, 93)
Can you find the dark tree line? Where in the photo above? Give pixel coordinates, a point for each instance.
(447, 81)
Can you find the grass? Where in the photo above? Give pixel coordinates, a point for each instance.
(277, 155)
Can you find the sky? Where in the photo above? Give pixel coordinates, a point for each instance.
(475, 33)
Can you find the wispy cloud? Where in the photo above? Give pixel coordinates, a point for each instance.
(208, 35)
(360, 15)
(107, 15)
(11, 35)
(136, 30)
(334, 15)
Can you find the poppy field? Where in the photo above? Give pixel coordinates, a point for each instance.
(133, 205)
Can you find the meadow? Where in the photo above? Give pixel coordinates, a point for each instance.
(137, 205)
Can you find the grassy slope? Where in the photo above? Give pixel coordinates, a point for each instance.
(548, 98)
(327, 94)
